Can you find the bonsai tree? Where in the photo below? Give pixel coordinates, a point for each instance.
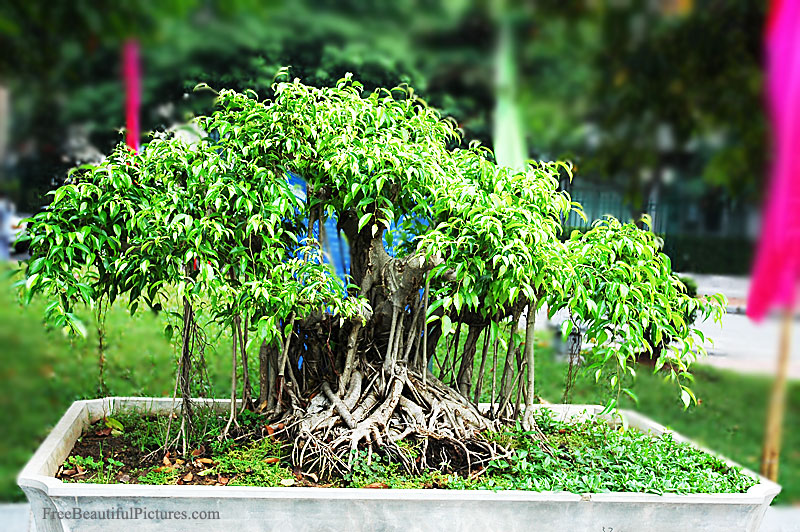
(448, 251)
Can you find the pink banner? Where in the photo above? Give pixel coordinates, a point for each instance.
(777, 265)
(132, 76)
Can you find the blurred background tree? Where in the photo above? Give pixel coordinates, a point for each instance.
(62, 65)
(651, 97)
(658, 103)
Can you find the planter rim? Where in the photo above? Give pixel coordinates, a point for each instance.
(58, 444)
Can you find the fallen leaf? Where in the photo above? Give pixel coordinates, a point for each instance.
(287, 482)
(377, 485)
(166, 460)
(113, 424)
(200, 450)
(272, 460)
(280, 426)
(103, 432)
(270, 430)
(205, 472)
(125, 478)
(179, 462)
(79, 468)
(223, 480)
(69, 472)
(204, 460)
(188, 477)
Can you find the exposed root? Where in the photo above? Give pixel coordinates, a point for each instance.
(421, 425)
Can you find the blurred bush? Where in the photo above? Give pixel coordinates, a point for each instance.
(709, 254)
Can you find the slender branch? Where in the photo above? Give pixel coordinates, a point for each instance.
(484, 352)
(232, 415)
(282, 362)
(529, 360)
(424, 367)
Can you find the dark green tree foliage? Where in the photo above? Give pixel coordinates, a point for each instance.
(62, 65)
(631, 90)
(213, 229)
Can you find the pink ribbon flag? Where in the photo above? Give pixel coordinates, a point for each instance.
(777, 265)
(132, 76)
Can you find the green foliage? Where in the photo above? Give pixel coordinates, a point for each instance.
(86, 462)
(595, 458)
(723, 418)
(632, 89)
(247, 466)
(176, 221)
(97, 471)
(162, 477)
(143, 433)
(380, 470)
(216, 224)
(61, 81)
(623, 292)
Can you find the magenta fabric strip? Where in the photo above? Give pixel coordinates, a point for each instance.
(132, 77)
(777, 265)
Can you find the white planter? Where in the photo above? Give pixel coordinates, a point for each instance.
(244, 509)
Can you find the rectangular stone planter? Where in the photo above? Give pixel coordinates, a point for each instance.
(61, 507)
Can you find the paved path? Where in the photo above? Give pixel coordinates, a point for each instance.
(14, 517)
(781, 519)
(740, 344)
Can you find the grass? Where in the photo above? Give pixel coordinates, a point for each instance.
(43, 371)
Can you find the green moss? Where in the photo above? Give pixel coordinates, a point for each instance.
(251, 465)
(158, 477)
(378, 469)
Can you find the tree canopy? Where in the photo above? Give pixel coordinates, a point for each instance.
(442, 240)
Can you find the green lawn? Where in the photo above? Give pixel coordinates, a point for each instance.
(43, 371)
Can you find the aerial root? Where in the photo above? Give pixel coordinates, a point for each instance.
(418, 423)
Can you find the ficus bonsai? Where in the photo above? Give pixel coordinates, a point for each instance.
(448, 251)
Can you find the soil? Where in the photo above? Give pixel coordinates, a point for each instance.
(98, 442)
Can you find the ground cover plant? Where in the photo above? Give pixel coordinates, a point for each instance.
(446, 249)
(590, 457)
